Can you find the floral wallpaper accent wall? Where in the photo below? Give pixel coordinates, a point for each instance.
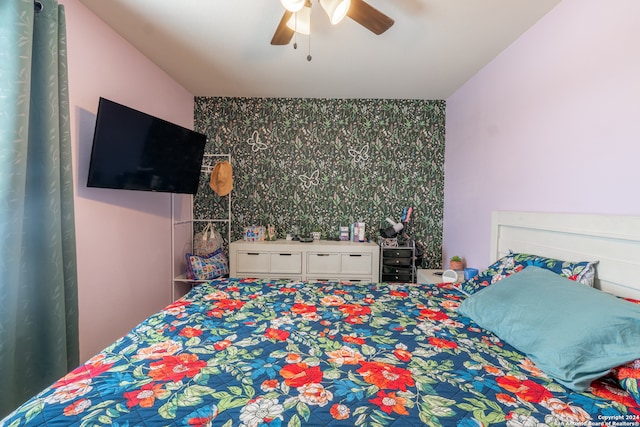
(323, 163)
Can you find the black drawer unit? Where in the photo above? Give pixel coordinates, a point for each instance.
(397, 263)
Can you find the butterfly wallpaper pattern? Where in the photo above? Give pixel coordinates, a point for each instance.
(323, 163)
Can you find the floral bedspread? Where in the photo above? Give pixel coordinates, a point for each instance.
(265, 353)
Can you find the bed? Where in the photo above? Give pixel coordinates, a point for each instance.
(269, 353)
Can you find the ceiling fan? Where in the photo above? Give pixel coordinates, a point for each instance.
(296, 12)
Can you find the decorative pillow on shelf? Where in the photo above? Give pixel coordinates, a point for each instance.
(582, 271)
(207, 267)
(573, 333)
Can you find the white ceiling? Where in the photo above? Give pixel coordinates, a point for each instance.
(222, 47)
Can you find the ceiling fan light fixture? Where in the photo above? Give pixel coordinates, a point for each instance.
(293, 5)
(300, 22)
(336, 9)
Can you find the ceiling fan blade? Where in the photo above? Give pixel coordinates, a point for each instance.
(283, 33)
(369, 17)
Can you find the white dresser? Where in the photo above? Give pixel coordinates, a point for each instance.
(317, 260)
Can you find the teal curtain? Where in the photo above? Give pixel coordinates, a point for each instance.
(38, 288)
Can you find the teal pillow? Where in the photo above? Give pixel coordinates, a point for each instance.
(573, 333)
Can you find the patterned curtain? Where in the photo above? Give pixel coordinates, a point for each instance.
(38, 288)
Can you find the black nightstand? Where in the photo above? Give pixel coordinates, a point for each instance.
(397, 263)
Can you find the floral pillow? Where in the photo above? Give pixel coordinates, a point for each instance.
(628, 376)
(582, 272)
(207, 267)
(609, 388)
(496, 271)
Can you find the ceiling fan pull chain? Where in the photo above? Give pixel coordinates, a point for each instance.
(295, 32)
(309, 55)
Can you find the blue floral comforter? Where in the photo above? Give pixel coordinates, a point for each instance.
(259, 353)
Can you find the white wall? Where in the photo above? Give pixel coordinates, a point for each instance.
(552, 124)
(123, 237)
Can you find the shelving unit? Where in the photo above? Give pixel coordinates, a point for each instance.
(184, 226)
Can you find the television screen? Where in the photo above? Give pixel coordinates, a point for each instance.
(135, 151)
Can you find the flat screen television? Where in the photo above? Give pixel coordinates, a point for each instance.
(135, 151)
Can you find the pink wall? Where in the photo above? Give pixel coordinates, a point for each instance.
(552, 124)
(123, 237)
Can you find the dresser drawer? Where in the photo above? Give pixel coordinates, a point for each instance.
(323, 263)
(286, 262)
(397, 261)
(322, 278)
(254, 262)
(397, 277)
(398, 253)
(356, 264)
(267, 262)
(390, 269)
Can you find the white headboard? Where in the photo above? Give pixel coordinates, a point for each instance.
(612, 240)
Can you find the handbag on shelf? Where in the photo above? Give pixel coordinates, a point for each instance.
(207, 241)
